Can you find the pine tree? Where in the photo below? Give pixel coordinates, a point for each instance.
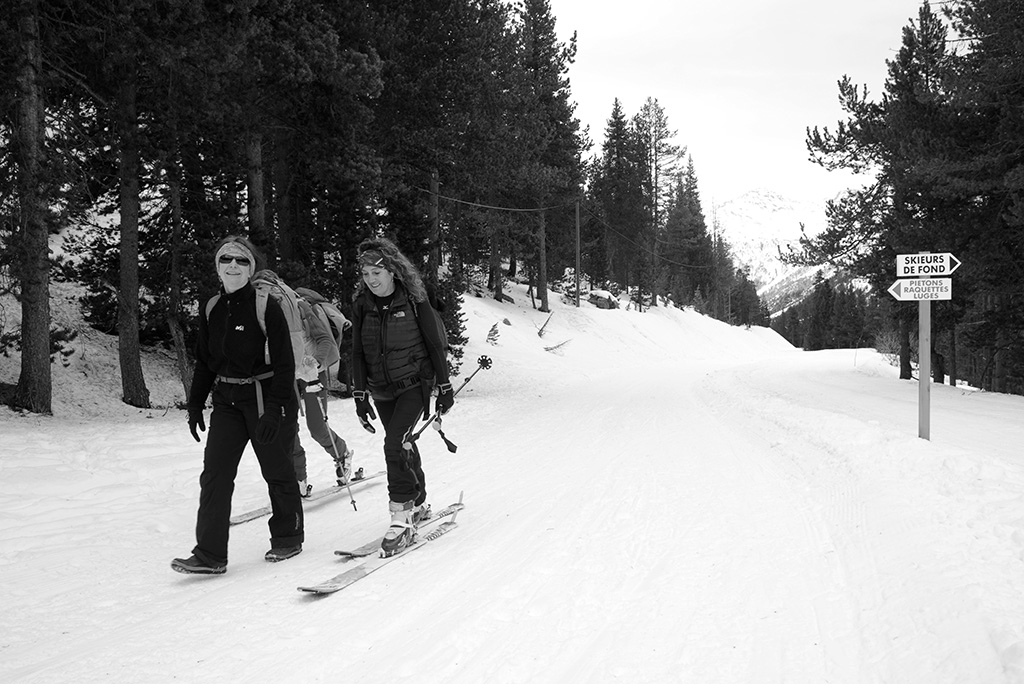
(31, 260)
(619, 192)
(847, 318)
(867, 227)
(552, 172)
(686, 246)
(662, 166)
(819, 325)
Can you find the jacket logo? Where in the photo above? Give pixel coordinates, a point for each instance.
(240, 328)
(399, 314)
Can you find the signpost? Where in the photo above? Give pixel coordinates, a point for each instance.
(923, 281)
(920, 289)
(918, 265)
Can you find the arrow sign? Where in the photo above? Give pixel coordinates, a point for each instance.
(916, 289)
(921, 265)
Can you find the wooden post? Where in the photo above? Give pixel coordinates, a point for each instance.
(577, 254)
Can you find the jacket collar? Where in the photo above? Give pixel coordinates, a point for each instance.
(239, 294)
(398, 297)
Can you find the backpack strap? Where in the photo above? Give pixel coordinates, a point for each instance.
(261, 317)
(210, 303)
(261, 314)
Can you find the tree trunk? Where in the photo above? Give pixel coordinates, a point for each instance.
(906, 371)
(302, 226)
(284, 206)
(175, 307)
(497, 281)
(255, 201)
(133, 384)
(952, 357)
(542, 264)
(35, 389)
(513, 261)
(194, 203)
(430, 276)
(653, 275)
(938, 367)
(999, 368)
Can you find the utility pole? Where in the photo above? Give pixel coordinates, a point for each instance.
(577, 253)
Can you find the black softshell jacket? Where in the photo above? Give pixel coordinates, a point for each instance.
(232, 343)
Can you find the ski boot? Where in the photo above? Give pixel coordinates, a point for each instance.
(276, 555)
(196, 566)
(402, 531)
(343, 468)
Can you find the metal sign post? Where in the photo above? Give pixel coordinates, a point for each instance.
(922, 282)
(924, 368)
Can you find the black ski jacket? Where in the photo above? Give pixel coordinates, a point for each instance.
(396, 350)
(231, 344)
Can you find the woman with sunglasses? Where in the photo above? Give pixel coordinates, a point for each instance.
(397, 358)
(252, 401)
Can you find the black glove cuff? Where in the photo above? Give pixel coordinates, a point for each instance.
(360, 395)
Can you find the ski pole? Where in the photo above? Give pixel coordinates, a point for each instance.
(484, 362)
(322, 403)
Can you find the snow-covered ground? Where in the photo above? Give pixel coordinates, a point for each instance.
(661, 498)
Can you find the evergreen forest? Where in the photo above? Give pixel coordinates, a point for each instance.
(143, 131)
(942, 154)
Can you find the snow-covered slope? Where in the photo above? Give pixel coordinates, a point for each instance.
(651, 497)
(761, 224)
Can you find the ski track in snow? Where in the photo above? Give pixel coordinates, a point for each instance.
(728, 514)
(911, 547)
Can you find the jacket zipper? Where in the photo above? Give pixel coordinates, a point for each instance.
(383, 343)
(227, 325)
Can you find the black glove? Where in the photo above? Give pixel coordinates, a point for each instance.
(445, 398)
(364, 410)
(270, 423)
(195, 419)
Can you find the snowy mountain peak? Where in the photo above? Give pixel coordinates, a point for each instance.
(761, 224)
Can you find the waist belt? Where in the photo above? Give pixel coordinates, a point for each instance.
(248, 381)
(405, 384)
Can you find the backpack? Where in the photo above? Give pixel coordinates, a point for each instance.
(268, 284)
(330, 316)
(336, 322)
(440, 324)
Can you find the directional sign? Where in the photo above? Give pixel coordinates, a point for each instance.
(923, 265)
(914, 289)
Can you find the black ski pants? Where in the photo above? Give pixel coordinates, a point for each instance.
(406, 481)
(232, 426)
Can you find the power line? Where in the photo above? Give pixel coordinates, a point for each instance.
(490, 206)
(560, 206)
(642, 247)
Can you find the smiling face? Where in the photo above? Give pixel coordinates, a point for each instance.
(380, 280)
(234, 269)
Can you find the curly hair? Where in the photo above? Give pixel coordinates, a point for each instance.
(383, 252)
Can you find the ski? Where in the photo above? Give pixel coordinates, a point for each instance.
(353, 575)
(316, 496)
(370, 547)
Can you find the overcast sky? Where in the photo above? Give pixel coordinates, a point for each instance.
(740, 80)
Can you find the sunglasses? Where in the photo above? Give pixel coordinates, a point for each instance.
(227, 259)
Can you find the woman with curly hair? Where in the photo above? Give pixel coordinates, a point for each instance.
(398, 356)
